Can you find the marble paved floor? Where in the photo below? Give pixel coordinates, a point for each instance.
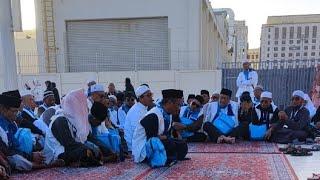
(306, 165)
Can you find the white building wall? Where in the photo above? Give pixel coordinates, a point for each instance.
(189, 81)
(184, 26)
(183, 21)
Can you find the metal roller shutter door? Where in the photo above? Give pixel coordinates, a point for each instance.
(117, 45)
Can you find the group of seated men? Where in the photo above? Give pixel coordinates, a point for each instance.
(92, 127)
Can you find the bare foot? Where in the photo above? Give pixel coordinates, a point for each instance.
(221, 139)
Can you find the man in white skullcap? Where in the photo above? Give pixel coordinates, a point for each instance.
(257, 94)
(97, 94)
(267, 113)
(293, 122)
(137, 112)
(247, 80)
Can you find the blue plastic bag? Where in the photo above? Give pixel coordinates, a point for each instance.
(24, 138)
(156, 153)
(111, 141)
(186, 121)
(224, 123)
(257, 132)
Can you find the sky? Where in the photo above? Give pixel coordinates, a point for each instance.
(254, 12)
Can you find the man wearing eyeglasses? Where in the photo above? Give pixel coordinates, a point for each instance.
(293, 122)
(137, 112)
(188, 118)
(9, 107)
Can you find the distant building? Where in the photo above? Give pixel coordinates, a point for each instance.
(26, 51)
(241, 37)
(292, 37)
(236, 34)
(254, 57)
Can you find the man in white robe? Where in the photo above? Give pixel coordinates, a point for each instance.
(137, 112)
(247, 80)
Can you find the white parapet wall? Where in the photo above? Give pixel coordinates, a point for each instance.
(189, 81)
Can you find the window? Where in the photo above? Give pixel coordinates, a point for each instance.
(314, 31)
(297, 54)
(268, 42)
(290, 54)
(283, 48)
(276, 43)
(314, 41)
(313, 54)
(284, 33)
(306, 32)
(248, 56)
(275, 48)
(252, 57)
(257, 57)
(306, 41)
(313, 47)
(268, 36)
(283, 54)
(299, 32)
(268, 55)
(291, 42)
(276, 33)
(298, 41)
(275, 55)
(283, 42)
(291, 32)
(268, 48)
(306, 48)
(269, 29)
(305, 54)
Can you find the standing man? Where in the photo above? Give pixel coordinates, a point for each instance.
(247, 80)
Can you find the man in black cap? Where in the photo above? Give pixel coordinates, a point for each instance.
(9, 107)
(206, 96)
(157, 123)
(48, 101)
(190, 98)
(221, 119)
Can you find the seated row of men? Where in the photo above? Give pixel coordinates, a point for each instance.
(90, 129)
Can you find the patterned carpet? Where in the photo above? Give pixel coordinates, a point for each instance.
(246, 160)
(239, 147)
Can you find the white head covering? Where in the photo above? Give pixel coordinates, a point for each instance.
(112, 97)
(310, 106)
(216, 92)
(96, 88)
(266, 94)
(26, 93)
(298, 93)
(245, 61)
(259, 87)
(141, 90)
(74, 107)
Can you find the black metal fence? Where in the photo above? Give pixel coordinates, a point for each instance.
(279, 77)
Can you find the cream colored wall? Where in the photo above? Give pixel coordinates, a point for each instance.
(189, 81)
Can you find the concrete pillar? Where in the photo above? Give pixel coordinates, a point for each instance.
(8, 67)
